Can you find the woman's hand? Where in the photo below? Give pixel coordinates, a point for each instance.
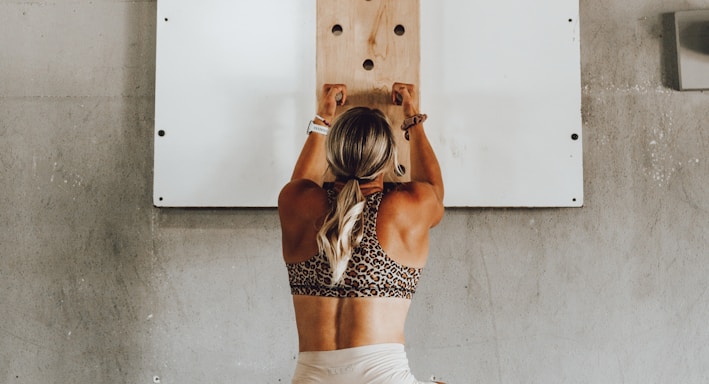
(331, 96)
(407, 98)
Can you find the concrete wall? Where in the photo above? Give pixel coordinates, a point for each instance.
(100, 287)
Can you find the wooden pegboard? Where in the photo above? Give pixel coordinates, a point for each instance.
(369, 45)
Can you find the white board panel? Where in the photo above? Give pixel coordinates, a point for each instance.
(234, 92)
(501, 83)
(235, 87)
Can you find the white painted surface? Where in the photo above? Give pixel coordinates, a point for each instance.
(234, 91)
(500, 82)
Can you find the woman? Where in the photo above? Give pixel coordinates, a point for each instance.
(355, 249)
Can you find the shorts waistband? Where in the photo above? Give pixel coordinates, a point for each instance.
(347, 355)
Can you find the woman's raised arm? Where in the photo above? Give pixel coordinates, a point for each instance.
(311, 163)
(424, 164)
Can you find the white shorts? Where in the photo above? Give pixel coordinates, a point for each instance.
(371, 364)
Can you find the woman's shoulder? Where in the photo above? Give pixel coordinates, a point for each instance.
(412, 190)
(416, 200)
(302, 194)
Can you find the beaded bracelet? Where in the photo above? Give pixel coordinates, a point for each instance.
(412, 121)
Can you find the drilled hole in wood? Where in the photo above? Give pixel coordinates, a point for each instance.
(368, 64)
(337, 30)
(399, 30)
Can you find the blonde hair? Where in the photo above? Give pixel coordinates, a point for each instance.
(360, 147)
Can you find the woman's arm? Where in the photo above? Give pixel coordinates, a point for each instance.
(312, 164)
(424, 164)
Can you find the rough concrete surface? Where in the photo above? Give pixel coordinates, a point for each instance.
(98, 286)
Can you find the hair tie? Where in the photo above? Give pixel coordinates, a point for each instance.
(358, 179)
(412, 121)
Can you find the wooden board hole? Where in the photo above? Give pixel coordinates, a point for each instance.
(368, 64)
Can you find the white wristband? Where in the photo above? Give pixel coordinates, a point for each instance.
(321, 129)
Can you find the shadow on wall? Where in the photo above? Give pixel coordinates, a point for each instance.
(669, 67)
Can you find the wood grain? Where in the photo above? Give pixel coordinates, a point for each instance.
(370, 30)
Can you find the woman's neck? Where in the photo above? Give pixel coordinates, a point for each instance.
(367, 188)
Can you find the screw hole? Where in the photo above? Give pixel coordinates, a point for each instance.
(161, 133)
(337, 30)
(368, 64)
(575, 137)
(399, 30)
(571, 20)
(166, 19)
(574, 199)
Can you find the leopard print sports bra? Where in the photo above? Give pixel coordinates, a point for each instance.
(370, 272)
